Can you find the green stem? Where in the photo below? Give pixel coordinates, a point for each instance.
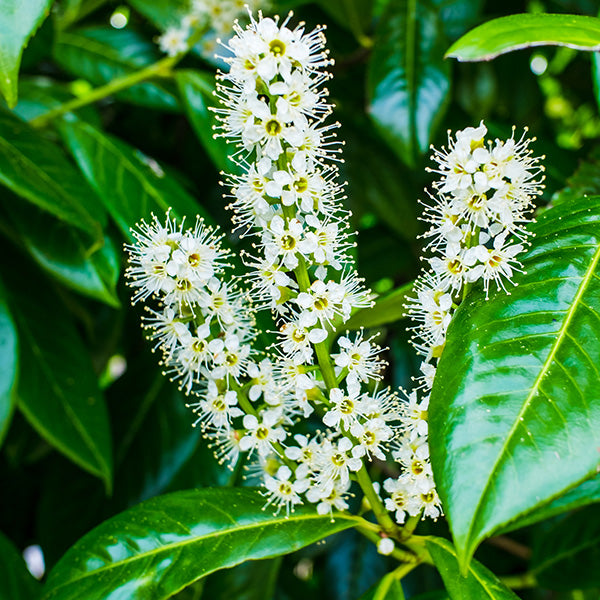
(525, 580)
(399, 554)
(379, 510)
(161, 68)
(411, 524)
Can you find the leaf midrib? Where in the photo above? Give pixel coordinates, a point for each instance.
(545, 367)
(167, 547)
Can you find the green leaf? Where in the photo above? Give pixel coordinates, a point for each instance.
(59, 394)
(131, 185)
(74, 10)
(585, 180)
(408, 80)
(387, 309)
(587, 492)
(9, 363)
(20, 20)
(389, 588)
(566, 556)
(16, 582)
(100, 55)
(63, 252)
(252, 580)
(354, 15)
(155, 549)
(38, 171)
(514, 408)
(515, 32)
(196, 89)
(162, 13)
(478, 584)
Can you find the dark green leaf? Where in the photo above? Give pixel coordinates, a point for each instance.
(567, 555)
(514, 410)
(389, 588)
(196, 89)
(252, 580)
(74, 10)
(160, 546)
(408, 80)
(515, 32)
(38, 171)
(20, 19)
(388, 309)
(131, 185)
(63, 252)
(587, 492)
(9, 364)
(354, 15)
(478, 584)
(16, 582)
(458, 15)
(584, 182)
(162, 13)
(59, 394)
(100, 55)
(377, 181)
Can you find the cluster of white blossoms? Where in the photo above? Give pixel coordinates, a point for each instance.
(484, 194)
(214, 17)
(311, 411)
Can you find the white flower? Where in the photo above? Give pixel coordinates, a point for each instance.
(282, 492)
(174, 40)
(359, 357)
(345, 408)
(385, 546)
(261, 435)
(281, 241)
(217, 409)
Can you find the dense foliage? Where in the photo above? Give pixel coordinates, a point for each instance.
(107, 118)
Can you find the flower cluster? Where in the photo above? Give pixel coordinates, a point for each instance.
(214, 17)
(311, 410)
(483, 195)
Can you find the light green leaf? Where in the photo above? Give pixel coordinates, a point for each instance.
(157, 548)
(408, 80)
(63, 252)
(196, 89)
(9, 363)
(515, 32)
(59, 394)
(103, 54)
(20, 20)
(566, 556)
(131, 185)
(16, 582)
(478, 584)
(389, 588)
(515, 407)
(388, 309)
(38, 171)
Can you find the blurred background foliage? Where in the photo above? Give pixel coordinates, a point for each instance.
(88, 424)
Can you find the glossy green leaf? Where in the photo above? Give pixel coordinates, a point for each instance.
(196, 89)
(155, 549)
(16, 582)
(585, 493)
(514, 408)
(479, 583)
(566, 556)
(252, 580)
(20, 20)
(9, 364)
(100, 55)
(515, 32)
(408, 79)
(584, 182)
(387, 309)
(59, 394)
(38, 171)
(131, 185)
(63, 252)
(389, 588)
